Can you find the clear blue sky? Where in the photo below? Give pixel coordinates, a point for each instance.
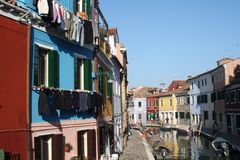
(171, 39)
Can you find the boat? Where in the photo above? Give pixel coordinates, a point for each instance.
(221, 146)
(166, 127)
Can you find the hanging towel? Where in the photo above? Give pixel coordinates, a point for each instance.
(43, 8)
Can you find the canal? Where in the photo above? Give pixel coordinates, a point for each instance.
(187, 147)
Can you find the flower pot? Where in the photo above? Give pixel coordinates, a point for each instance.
(66, 149)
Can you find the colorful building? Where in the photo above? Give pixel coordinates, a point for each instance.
(152, 108)
(63, 70)
(183, 108)
(138, 109)
(232, 103)
(222, 75)
(168, 103)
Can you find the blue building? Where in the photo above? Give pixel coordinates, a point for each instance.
(62, 113)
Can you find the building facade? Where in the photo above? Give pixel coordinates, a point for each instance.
(152, 109)
(14, 69)
(222, 75)
(183, 108)
(63, 69)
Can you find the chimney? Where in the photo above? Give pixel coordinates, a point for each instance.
(189, 76)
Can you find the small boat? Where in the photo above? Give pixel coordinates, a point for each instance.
(221, 146)
(166, 127)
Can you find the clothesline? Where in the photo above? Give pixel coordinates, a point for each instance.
(38, 88)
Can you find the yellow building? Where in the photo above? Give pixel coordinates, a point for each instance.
(167, 108)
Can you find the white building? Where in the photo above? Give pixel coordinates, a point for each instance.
(201, 103)
(138, 109)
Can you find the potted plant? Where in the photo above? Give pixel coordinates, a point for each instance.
(68, 147)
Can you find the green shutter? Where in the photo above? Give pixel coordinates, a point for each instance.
(36, 67)
(53, 69)
(88, 75)
(109, 90)
(89, 11)
(84, 5)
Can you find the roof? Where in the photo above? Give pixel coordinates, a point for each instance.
(230, 60)
(181, 90)
(142, 92)
(176, 84)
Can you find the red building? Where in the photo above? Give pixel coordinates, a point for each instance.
(152, 108)
(14, 99)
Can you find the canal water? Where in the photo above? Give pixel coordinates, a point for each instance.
(190, 148)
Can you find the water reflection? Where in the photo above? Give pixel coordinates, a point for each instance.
(187, 147)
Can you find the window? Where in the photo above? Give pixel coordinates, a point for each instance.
(238, 96)
(192, 99)
(139, 116)
(181, 115)
(233, 97)
(155, 103)
(205, 115)
(78, 74)
(170, 102)
(213, 115)
(49, 147)
(188, 115)
(149, 103)
(205, 81)
(199, 99)
(132, 116)
(198, 84)
(83, 6)
(176, 115)
(46, 67)
(188, 100)
(227, 97)
(202, 82)
(213, 97)
(220, 95)
(139, 104)
(212, 78)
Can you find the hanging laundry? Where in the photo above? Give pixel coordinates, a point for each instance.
(55, 14)
(68, 25)
(82, 15)
(63, 18)
(75, 99)
(58, 20)
(44, 102)
(50, 13)
(56, 99)
(43, 7)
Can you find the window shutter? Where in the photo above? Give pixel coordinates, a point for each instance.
(88, 74)
(76, 74)
(109, 89)
(53, 69)
(36, 67)
(84, 5)
(37, 148)
(89, 9)
(57, 147)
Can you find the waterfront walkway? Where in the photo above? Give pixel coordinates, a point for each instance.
(137, 148)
